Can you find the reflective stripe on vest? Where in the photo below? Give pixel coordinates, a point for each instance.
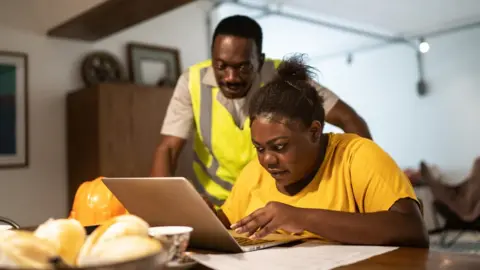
(221, 148)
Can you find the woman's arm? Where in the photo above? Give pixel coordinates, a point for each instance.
(402, 225)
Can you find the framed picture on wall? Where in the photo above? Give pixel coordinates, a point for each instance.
(13, 109)
(153, 65)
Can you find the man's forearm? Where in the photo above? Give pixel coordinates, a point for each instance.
(357, 126)
(162, 164)
(381, 228)
(166, 156)
(345, 117)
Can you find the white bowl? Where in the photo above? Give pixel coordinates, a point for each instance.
(4, 227)
(175, 239)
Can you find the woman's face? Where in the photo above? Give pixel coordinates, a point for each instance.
(287, 152)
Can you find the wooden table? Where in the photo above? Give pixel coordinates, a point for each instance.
(406, 258)
(411, 259)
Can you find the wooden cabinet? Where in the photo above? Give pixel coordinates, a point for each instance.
(113, 130)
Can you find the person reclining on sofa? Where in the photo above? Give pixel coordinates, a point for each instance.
(462, 199)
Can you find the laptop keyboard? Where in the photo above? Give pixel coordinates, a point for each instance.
(244, 241)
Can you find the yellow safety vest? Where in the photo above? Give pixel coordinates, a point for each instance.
(221, 148)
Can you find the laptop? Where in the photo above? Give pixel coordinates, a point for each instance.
(173, 201)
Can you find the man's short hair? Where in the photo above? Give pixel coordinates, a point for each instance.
(240, 26)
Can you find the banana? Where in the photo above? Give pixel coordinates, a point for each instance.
(68, 236)
(22, 249)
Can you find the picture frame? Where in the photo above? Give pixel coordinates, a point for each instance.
(14, 149)
(153, 65)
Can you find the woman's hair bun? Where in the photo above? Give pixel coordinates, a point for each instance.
(294, 69)
(290, 95)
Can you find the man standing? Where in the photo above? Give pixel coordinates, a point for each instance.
(210, 99)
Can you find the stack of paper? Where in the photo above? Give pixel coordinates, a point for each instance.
(306, 256)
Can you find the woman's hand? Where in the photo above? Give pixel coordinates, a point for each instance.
(272, 217)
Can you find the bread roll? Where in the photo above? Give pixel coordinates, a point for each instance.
(116, 227)
(22, 249)
(121, 249)
(68, 236)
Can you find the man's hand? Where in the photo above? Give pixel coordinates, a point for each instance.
(266, 220)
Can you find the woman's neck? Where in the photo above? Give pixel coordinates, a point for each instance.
(296, 187)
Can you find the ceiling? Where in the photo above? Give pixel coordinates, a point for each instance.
(40, 15)
(395, 17)
(399, 17)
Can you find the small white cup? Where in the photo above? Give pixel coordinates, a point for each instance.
(175, 239)
(4, 227)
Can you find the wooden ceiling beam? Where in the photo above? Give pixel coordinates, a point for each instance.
(112, 16)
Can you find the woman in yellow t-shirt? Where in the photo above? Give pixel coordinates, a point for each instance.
(339, 187)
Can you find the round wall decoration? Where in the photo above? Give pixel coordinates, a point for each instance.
(101, 67)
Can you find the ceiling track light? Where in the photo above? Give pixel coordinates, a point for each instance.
(423, 46)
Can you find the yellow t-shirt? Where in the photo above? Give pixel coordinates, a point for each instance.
(355, 176)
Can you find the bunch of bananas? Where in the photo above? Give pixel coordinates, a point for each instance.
(122, 238)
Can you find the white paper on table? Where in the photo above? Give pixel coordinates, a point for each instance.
(306, 256)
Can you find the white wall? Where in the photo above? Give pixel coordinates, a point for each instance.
(440, 127)
(36, 193)
(381, 85)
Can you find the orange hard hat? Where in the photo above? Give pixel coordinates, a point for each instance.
(94, 203)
